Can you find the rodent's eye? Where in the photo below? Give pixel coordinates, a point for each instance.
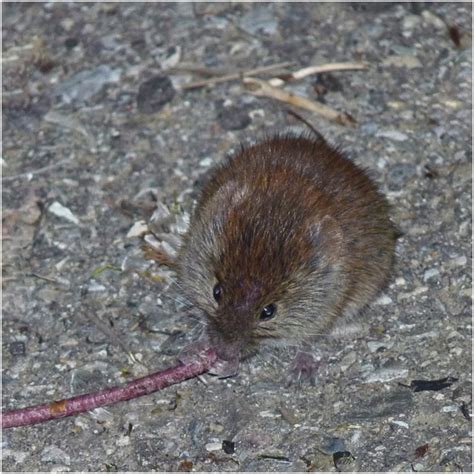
(217, 292)
(268, 312)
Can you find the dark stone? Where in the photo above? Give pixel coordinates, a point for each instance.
(228, 447)
(17, 348)
(154, 94)
(71, 43)
(232, 117)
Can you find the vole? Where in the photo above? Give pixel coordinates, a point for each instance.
(289, 238)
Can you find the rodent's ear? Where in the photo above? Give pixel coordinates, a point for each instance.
(327, 237)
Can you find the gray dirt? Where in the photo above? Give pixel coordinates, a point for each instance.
(96, 132)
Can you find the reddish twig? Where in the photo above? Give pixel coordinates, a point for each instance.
(136, 388)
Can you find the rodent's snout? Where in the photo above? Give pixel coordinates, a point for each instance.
(228, 353)
(227, 350)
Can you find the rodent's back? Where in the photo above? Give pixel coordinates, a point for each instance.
(313, 170)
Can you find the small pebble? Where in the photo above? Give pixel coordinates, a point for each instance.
(228, 447)
(138, 229)
(375, 346)
(216, 427)
(450, 409)
(344, 461)
(387, 374)
(85, 84)
(410, 21)
(154, 94)
(415, 292)
(269, 414)
(401, 423)
(213, 446)
(206, 162)
(60, 468)
(53, 454)
(95, 287)
(71, 42)
(418, 467)
(59, 210)
(17, 348)
(410, 62)
(430, 274)
(433, 20)
(383, 300)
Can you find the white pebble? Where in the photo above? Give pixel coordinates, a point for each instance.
(387, 374)
(383, 300)
(269, 414)
(137, 230)
(433, 20)
(400, 281)
(401, 423)
(431, 273)
(393, 135)
(410, 21)
(206, 162)
(61, 211)
(415, 292)
(95, 287)
(213, 446)
(449, 409)
(122, 441)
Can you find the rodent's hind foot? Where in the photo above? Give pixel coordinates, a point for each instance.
(303, 370)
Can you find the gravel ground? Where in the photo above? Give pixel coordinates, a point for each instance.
(97, 134)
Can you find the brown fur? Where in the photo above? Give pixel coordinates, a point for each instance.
(289, 221)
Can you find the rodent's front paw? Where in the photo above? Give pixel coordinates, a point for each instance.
(303, 369)
(222, 368)
(225, 368)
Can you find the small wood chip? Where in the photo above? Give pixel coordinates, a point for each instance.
(235, 76)
(311, 70)
(262, 88)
